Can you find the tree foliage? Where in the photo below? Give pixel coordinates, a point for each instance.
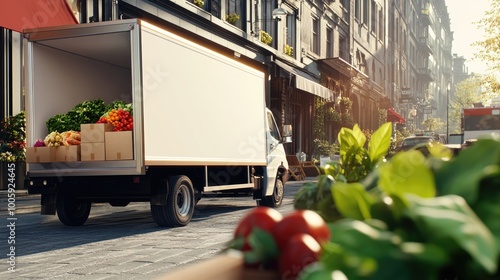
(467, 93)
(489, 48)
(432, 124)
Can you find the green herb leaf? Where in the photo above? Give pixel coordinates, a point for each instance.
(407, 172)
(264, 248)
(380, 142)
(448, 222)
(352, 200)
(461, 177)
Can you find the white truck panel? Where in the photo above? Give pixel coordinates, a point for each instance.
(190, 117)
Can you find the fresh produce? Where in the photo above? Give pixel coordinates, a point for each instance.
(39, 143)
(120, 118)
(422, 214)
(53, 139)
(71, 138)
(119, 114)
(300, 221)
(300, 234)
(264, 218)
(85, 112)
(56, 139)
(300, 251)
(356, 163)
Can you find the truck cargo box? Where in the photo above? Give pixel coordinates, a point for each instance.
(183, 113)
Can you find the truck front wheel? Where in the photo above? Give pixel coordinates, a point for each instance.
(276, 199)
(179, 208)
(72, 212)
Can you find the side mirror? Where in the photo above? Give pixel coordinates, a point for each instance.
(287, 133)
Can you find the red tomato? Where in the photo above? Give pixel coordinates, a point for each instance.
(301, 221)
(300, 251)
(262, 217)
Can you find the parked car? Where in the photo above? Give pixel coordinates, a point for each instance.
(414, 142)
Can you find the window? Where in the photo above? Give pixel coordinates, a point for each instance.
(344, 3)
(343, 53)
(329, 42)
(315, 36)
(381, 33)
(357, 9)
(266, 22)
(374, 77)
(365, 11)
(373, 16)
(234, 7)
(273, 128)
(291, 33)
(215, 8)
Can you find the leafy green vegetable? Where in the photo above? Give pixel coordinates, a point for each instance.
(355, 164)
(407, 173)
(117, 104)
(461, 177)
(380, 143)
(422, 214)
(450, 223)
(352, 200)
(85, 112)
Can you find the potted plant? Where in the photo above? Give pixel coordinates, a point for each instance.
(265, 38)
(199, 3)
(232, 18)
(12, 147)
(288, 50)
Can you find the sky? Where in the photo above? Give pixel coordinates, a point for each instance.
(463, 15)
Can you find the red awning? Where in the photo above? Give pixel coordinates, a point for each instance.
(22, 14)
(392, 116)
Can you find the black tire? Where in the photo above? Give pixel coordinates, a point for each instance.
(70, 211)
(180, 204)
(276, 199)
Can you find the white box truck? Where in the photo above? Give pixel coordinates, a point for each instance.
(201, 126)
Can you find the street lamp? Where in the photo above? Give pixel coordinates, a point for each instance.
(448, 88)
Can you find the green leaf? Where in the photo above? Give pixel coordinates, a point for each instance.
(359, 135)
(439, 151)
(407, 172)
(352, 200)
(380, 142)
(450, 222)
(348, 140)
(427, 253)
(264, 248)
(463, 174)
(486, 206)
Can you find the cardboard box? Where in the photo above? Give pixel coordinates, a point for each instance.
(68, 153)
(92, 151)
(119, 145)
(40, 154)
(94, 132)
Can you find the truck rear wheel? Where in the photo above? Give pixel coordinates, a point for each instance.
(179, 208)
(72, 212)
(276, 199)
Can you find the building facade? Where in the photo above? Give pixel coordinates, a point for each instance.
(330, 63)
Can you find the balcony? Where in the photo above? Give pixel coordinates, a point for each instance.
(425, 18)
(425, 74)
(425, 44)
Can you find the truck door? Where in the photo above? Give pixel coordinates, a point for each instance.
(276, 152)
